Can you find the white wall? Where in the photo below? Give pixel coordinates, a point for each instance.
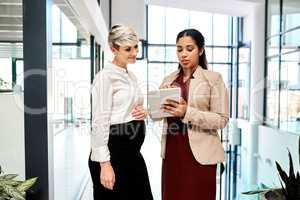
(104, 4)
(131, 13)
(273, 146)
(12, 149)
(228, 7)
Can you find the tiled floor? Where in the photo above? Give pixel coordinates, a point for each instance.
(71, 151)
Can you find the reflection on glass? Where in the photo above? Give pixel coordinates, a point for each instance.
(156, 23)
(176, 21)
(273, 17)
(272, 103)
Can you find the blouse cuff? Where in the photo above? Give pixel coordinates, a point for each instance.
(100, 154)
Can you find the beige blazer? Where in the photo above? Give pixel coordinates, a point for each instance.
(207, 111)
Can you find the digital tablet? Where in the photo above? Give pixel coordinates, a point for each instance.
(158, 97)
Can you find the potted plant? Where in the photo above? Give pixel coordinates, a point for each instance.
(3, 84)
(14, 189)
(290, 184)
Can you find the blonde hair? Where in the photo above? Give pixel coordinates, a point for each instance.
(121, 35)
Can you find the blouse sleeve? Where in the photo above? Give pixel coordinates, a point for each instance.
(102, 94)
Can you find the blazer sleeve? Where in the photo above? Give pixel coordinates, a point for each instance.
(218, 114)
(102, 94)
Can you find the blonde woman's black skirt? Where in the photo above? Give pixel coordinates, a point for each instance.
(132, 181)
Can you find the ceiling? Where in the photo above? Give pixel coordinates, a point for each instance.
(11, 24)
(11, 20)
(227, 7)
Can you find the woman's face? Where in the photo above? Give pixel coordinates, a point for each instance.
(188, 52)
(126, 54)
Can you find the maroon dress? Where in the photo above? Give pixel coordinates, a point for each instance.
(183, 178)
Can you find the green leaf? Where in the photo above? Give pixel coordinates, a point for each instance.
(23, 187)
(292, 173)
(283, 189)
(12, 192)
(8, 176)
(255, 192)
(10, 182)
(282, 173)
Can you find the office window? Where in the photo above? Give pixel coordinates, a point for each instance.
(290, 40)
(56, 24)
(290, 93)
(221, 29)
(282, 108)
(209, 54)
(156, 53)
(221, 55)
(272, 95)
(171, 54)
(224, 70)
(156, 25)
(273, 46)
(202, 21)
(273, 17)
(176, 21)
(165, 23)
(157, 72)
(243, 109)
(290, 14)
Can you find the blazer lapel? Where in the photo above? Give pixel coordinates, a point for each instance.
(197, 77)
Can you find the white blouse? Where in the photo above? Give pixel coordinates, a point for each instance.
(115, 93)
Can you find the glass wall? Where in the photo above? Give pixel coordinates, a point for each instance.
(70, 93)
(243, 83)
(12, 142)
(283, 68)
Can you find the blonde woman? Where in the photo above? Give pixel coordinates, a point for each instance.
(116, 165)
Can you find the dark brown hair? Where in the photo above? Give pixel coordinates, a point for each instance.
(200, 42)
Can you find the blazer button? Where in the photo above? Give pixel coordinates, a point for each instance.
(190, 124)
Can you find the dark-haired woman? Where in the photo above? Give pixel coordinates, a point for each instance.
(191, 147)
